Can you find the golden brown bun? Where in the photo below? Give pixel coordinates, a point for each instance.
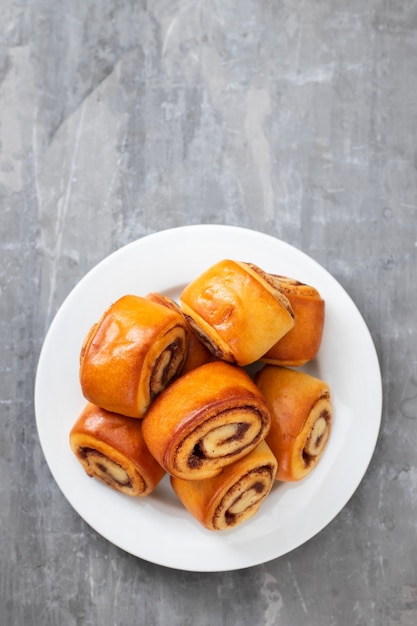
(301, 412)
(131, 355)
(237, 311)
(110, 447)
(233, 496)
(205, 420)
(197, 353)
(302, 342)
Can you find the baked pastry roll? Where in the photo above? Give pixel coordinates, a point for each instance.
(132, 354)
(302, 342)
(233, 496)
(205, 420)
(301, 411)
(237, 310)
(110, 447)
(197, 352)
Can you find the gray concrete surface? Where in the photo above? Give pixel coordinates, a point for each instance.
(298, 119)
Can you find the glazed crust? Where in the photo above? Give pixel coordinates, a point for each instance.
(301, 411)
(302, 343)
(110, 447)
(131, 355)
(205, 420)
(233, 496)
(237, 311)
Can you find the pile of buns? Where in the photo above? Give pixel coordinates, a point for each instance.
(169, 391)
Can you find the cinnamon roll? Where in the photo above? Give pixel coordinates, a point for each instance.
(110, 447)
(237, 310)
(132, 354)
(232, 496)
(205, 420)
(302, 342)
(301, 411)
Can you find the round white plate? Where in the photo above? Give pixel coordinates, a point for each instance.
(157, 528)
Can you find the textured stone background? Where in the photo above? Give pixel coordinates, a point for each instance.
(295, 118)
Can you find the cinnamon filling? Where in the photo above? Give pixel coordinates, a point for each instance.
(205, 340)
(196, 458)
(246, 495)
(166, 366)
(220, 441)
(317, 439)
(104, 468)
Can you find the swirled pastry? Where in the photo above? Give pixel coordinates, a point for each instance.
(237, 310)
(302, 342)
(197, 352)
(232, 496)
(132, 354)
(205, 420)
(110, 447)
(301, 410)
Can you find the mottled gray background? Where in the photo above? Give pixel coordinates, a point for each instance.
(295, 118)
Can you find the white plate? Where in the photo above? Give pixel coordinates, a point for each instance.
(157, 528)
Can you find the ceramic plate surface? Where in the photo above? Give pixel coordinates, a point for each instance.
(157, 528)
